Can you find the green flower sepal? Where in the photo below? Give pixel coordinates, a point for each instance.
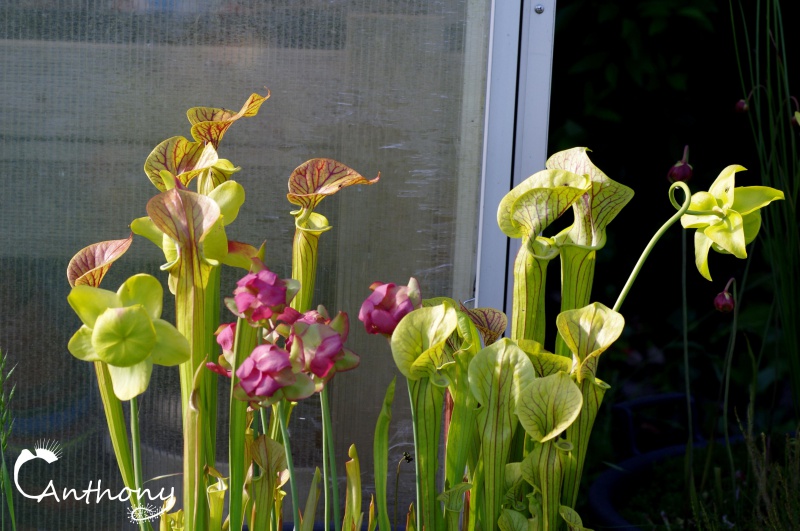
(125, 331)
(726, 218)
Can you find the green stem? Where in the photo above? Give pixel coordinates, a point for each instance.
(728, 362)
(328, 445)
(689, 462)
(289, 464)
(137, 456)
(683, 209)
(243, 344)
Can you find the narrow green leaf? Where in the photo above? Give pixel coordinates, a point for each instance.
(352, 509)
(380, 452)
(311, 503)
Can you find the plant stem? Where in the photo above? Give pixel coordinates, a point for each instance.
(657, 236)
(728, 363)
(689, 463)
(327, 435)
(289, 464)
(137, 455)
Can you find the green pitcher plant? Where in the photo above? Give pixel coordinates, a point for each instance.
(280, 349)
(520, 416)
(513, 417)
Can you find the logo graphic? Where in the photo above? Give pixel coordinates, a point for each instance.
(50, 452)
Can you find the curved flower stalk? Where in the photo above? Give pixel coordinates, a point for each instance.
(579, 242)
(726, 218)
(524, 213)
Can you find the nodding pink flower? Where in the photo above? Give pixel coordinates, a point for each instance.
(681, 170)
(387, 305)
(262, 296)
(741, 106)
(266, 370)
(317, 346)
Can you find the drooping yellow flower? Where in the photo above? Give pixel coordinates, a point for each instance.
(726, 218)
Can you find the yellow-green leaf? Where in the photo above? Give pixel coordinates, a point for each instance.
(209, 124)
(316, 179)
(175, 155)
(728, 234)
(419, 339)
(90, 264)
(129, 382)
(588, 332)
(80, 345)
(548, 406)
(145, 290)
(171, 347)
(749, 199)
(539, 200)
(89, 302)
(123, 336)
(599, 206)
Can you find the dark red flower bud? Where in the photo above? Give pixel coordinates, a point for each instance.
(741, 106)
(682, 170)
(724, 302)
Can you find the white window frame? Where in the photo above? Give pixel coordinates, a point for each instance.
(515, 131)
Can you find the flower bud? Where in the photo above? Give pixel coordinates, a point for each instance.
(741, 106)
(682, 170)
(387, 305)
(724, 302)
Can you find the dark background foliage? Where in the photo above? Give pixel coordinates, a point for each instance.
(635, 82)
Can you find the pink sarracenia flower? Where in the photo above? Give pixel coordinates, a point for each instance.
(317, 344)
(262, 296)
(265, 371)
(387, 305)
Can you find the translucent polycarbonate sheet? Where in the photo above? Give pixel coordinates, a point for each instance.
(89, 87)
